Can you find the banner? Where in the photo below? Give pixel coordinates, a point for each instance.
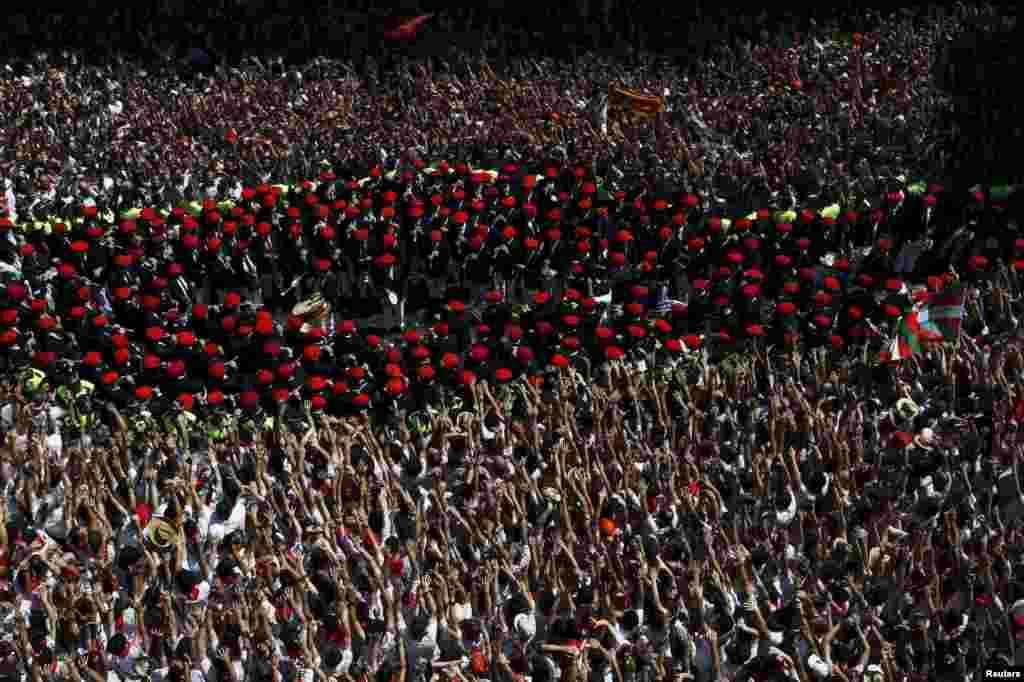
(622, 100)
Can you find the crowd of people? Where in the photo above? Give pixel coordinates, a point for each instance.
(518, 418)
(230, 28)
(733, 126)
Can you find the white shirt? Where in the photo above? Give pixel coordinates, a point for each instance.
(161, 674)
(216, 528)
(12, 202)
(345, 647)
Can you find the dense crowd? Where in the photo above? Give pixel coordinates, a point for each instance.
(507, 414)
(807, 111)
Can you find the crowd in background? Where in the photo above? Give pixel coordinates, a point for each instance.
(613, 428)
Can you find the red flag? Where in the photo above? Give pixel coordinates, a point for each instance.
(406, 30)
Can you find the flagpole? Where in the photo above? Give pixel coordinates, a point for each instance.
(952, 370)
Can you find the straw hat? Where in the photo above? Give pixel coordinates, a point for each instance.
(907, 408)
(160, 532)
(552, 494)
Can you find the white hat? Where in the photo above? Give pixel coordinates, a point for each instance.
(525, 625)
(819, 666)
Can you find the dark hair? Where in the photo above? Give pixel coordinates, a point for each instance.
(418, 625)
(375, 519)
(546, 601)
(413, 467)
(630, 620)
(184, 648)
(358, 455)
(117, 644)
(332, 656)
(565, 629)
(539, 670)
(172, 507)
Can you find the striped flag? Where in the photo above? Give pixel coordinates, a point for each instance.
(937, 320)
(942, 316)
(907, 341)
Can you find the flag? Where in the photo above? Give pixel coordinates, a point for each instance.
(937, 320)
(406, 30)
(667, 306)
(907, 341)
(623, 100)
(942, 316)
